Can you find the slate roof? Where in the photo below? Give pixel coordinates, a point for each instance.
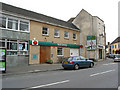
(37, 16)
(116, 40)
(71, 20)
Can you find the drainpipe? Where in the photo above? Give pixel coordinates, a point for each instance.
(80, 42)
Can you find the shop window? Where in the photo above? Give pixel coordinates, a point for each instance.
(44, 31)
(56, 33)
(60, 51)
(3, 22)
(11, 45)
(74, 36)
(24, 26)
(2, 43)
(12, 24)
(23, 48)
(66, 34)
(11, 52)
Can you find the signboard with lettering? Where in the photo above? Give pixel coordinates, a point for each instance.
(3, 59)
(91, 42)
(54, 44)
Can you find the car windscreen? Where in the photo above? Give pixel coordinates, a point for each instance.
(73, 58)
(82, 58)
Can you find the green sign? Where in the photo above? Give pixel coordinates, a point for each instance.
(91, 42)
(2, 54)
(3, 59)
(2, 66)
(93, 37)
(56, 44)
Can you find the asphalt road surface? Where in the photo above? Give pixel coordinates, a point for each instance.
(102, 75)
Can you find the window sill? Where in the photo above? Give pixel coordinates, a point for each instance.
(66, 38)
(56, 36)
(60, 55)
(14, 30)
(11, 55)
(45, 35)
(75, 39)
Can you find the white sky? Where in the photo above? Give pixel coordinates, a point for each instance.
(107, 10)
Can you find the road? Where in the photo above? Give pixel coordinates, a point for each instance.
(102, 75)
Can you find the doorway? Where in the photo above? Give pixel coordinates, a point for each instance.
(44, 53)
(100, 53)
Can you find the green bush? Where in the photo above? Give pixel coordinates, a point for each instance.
(49, 61)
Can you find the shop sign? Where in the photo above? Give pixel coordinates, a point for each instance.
(55, 44)
(91, 42)
(61, 44)
(34, 42)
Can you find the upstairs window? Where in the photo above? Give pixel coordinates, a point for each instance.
(44, 31)
(66, 34)
(12, 24)
(24, 26)
(3, 22)
(56, 33)
(74, 36)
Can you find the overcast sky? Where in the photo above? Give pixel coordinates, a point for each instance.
(107, 10)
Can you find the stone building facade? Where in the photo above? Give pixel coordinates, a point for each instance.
(54, 44)
(91, 26)
(14, 36)
(115, 46)
(19, 28)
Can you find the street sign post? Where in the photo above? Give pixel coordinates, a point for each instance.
(3, 60)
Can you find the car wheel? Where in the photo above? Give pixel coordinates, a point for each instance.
(91, 65)
(76, 67)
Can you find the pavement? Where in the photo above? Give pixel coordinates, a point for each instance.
(31, 69)
(34, 68)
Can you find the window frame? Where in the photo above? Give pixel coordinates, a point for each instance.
(28, 25)
(68, 35)
(5, 21)
(47, 31)
(19, 19)
(58, 32)
(2, 40)
(16, 25)
(9, 41)
(73, 36)
(62, 51)
(24, 51)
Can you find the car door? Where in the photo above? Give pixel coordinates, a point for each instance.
(82, 62)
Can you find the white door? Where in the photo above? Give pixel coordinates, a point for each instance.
(74, 52)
